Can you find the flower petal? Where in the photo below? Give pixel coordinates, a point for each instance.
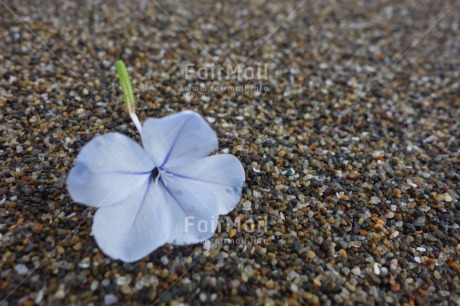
(195, 221)
(178, 139)
(213, 183)
(108, 169)
(136, 226)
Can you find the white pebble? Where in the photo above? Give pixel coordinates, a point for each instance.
(376, 269)
(110, 299)
(378, 153)
(188, 97)
(292, 275)
(384, 271)
(164, 260)
(374, 200)
(121, 280)
(60, 294)
(94, 285)
(21, 269)
(203, 297)
(39, 297)
(356, 271)
(205, 98)
(247, 205)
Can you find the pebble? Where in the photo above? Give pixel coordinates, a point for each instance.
(356, 271)
(94, 285)
(78, 246)
(59, 295)
(389, 215)
(110, 299)
(126, 289)
(374, 200)
(203, 297)
(164, 260)
(376, 269)
(247, 205)
(205, 98)
(40, 295)
(21, 269)
(270, 284)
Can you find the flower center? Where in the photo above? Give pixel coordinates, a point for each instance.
(158, 173)
(155, 174)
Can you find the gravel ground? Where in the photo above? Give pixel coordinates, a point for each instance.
(351, 157)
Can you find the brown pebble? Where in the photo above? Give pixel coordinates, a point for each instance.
(454, 265)
(78, 246)
(126, 289)
(270, 284)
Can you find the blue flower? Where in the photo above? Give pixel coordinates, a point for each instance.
(169, 191)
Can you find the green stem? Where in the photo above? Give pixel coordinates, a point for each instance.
(126, 86)
(128, 93)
